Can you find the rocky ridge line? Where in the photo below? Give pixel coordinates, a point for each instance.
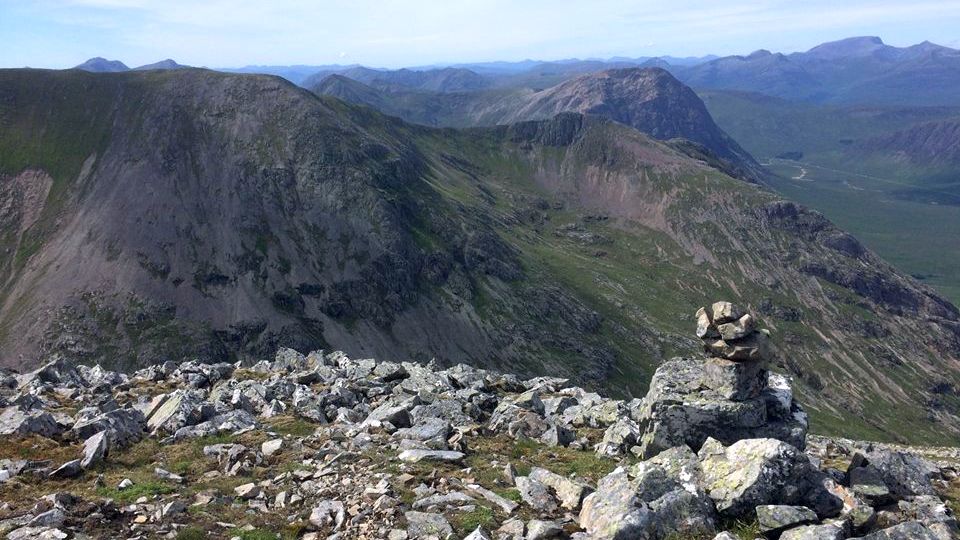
(326, 446)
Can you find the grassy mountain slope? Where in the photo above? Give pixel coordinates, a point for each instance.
(195, 214)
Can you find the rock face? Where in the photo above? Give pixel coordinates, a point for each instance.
(728, 396)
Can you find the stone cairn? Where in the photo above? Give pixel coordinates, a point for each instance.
(728, 396)
(738, 352)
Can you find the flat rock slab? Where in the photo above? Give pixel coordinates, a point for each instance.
(416, 455)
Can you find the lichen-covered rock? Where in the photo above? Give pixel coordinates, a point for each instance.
(773, 519)
(654, 499)
(903, 474)
(815, 532)
(754, 472)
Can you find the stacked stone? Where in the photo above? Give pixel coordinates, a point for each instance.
(738, 352)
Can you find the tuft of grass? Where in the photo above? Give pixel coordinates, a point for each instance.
(291, 425)
(141, 489)
(258, 534)
(481, 516)
(191, 533)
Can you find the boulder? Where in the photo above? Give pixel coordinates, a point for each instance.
(70, 469)
(738, 329)
(122, 426)
(654, 499)
(754, 347)
(538, 529)
(619, 438)
(180, 408)
(754, 472)
(14, 421)
(328, 513)
(725, 312)
(536, 495)
(902, 473)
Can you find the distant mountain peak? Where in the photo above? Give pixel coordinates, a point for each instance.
(168, 63)
(759, 53)
(98, 64)
(849, 47)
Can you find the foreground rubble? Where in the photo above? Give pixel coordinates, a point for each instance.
(326, 446)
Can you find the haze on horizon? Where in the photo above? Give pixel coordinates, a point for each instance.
(216, 33)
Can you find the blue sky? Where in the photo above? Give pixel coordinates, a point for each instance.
(220, 33)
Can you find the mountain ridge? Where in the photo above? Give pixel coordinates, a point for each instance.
(214, 216)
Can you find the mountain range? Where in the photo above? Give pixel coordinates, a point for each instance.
(179, 214)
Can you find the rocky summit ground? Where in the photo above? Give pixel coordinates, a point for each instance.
(327, 446)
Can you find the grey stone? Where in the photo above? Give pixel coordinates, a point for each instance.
(724, 312)
(754, 347)
(569, 492)
(442, 500)
(542, 530)
(180, 408)
(421, 525)
(271, 447)
(904, 474)
(911, 530)
(329, 513)
(737, 381)
(94, 450)
(738, 329)
(70, 469)
(705, 327)
(123, 426)
(478, 534)
(654, 499)
(51, 518)
(14, 421)
(773, 519)
(536, 494)
(415, 455)
(815, 532)
(505, 504)
(619, 438)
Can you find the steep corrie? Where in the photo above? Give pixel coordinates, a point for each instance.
(191, 214)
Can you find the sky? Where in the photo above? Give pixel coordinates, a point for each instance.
(222, 33)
